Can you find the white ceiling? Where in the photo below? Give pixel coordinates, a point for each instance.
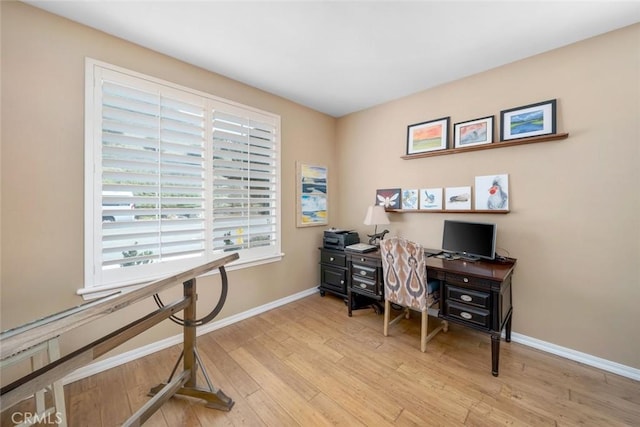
(338, 57)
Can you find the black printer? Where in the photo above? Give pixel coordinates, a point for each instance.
(338, 239)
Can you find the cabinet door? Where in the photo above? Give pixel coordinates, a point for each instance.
(334, 279)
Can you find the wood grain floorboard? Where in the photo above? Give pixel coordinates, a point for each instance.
(308, 364)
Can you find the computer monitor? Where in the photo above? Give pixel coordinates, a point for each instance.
(469, 240)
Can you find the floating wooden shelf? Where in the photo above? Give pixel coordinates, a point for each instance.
(501, 144)
(468, 211)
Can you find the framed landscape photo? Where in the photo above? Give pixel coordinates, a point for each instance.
(529, 120)
(473, 132)
(428, 136)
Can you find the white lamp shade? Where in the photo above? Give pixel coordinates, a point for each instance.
(376, 215)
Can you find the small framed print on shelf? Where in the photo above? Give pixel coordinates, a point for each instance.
(431, 198)
(428, 136)
(529, 120)
(473, 132)
(410, 199)
(457, 198)
(389, 198)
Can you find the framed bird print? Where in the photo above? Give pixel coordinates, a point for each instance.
(389, 198)
(410, 199)
(457, 198)
(431, 198)
(492, 192)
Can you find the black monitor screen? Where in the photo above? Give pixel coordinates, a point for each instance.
(471, 240)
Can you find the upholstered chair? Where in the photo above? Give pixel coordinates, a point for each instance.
(406, 285)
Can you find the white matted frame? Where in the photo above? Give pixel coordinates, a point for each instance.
(529, 120)
(312, 195)
(473, 132)
(428, 136)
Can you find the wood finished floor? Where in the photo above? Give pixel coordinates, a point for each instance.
(309, 364)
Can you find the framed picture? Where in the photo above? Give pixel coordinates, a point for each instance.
(428, 136)
(473, 132)
(312, 195)
(389, 198)
(410, 199)
(529, 120)
(457, 198)
(431, 198)
(492, 192)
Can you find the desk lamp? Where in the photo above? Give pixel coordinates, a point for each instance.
(376, 215)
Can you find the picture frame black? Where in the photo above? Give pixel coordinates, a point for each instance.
(473, 132)
(528, 120)
(427, 136)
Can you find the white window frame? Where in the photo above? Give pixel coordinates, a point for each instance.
(95, 280)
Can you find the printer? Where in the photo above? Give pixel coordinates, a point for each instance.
(338, 239)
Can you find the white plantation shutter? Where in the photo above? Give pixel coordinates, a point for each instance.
(244, 183)
(174, 178)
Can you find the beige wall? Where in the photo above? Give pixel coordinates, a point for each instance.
(42, 172)
(574, 223)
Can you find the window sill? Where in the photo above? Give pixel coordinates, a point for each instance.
(91, 293)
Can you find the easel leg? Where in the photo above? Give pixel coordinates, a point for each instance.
(214, 397)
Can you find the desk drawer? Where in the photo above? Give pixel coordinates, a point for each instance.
(463, 280)
(468, 297)
(333, 258)
(468, 314)
(362, 270)
(363, 284)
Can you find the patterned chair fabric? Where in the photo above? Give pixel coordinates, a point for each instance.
(405, 275)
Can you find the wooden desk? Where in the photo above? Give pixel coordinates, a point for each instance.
(473, 294)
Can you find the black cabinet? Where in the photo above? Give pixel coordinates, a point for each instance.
(333, 272)
(365, 288)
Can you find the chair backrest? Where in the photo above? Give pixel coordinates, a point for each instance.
(405, 273)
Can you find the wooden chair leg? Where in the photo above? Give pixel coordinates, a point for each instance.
(423, 331)
(387, 310)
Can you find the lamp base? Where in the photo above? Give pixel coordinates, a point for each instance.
(374, 238)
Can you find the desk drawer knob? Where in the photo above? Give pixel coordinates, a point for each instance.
(332, 259)
(465, 315)
(342, 282)
(363, 286)
(361, 259)
(363, 273)
(466, 298)
(465, 280)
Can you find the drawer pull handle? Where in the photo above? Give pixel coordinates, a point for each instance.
(465, 315)
(465, 280)
(466, 298)
(342, 282)
(361, 259)
(332, 259)
(363, 286)
(363, 273)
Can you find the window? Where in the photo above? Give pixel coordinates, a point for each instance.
(174, 178)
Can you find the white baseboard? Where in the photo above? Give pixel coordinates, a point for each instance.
(120, 359)
(112, 362)
(587, 359)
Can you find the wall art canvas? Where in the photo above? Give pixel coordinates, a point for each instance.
(389, 198)
(431, 198)
(312, 195)
(492, 192)
(410, 199)
(457, 198)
